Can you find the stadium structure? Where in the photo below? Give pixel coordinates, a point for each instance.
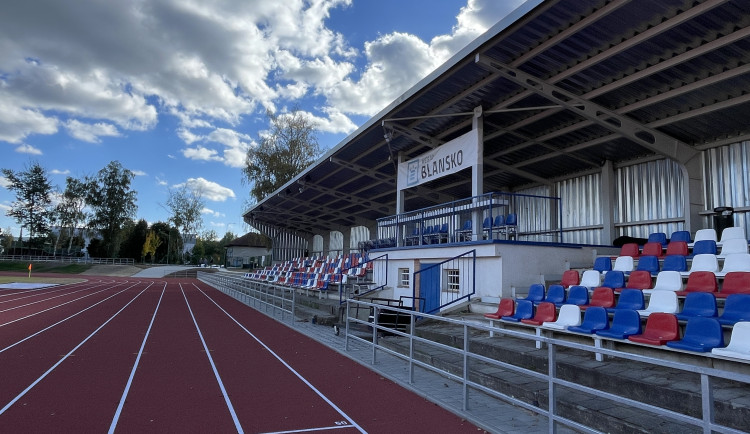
(567, 133)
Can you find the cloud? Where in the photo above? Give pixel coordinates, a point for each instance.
(209, 190)
(28, 149)
(213, 213)
(59, 172)
(160, 181)
(139, 173)
(4, 182)
(91, 132)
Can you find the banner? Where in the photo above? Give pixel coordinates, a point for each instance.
(454, 156)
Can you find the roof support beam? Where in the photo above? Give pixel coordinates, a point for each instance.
(648, 137)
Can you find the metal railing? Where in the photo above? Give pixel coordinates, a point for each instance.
(554, 382)
(275, 301)
(67, 259)
(457, 280)
(379, 268)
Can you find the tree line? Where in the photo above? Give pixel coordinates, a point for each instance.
(104, 204)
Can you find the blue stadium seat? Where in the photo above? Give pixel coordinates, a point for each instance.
(626, 322)
(701, 335)
(603, 264)
(681, 236)
(704, 247)
(648, 263)
(578, 295)
(555, 294)
(631, 299)
(614, 279)
(698, 304)
(675, 263)
(594, 319)
(736, 308)
(536, 293)
(658, 237)
(524, 310)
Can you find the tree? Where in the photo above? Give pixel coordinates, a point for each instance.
(113, 203)
(70, 209)
(281, 154)
(31, 209)
(185, 206)
(152, 243)
(133, 238)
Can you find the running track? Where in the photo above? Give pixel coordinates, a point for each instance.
(175, 355)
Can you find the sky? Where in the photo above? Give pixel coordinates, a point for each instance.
(177, 90)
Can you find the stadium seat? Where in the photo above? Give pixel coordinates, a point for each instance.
(677, 248)
(577, 295)
(594, 319)
(570, 278)
(657, 237)
(703, 262)
(666, 281)
(614, 279)
(524, 310)
(732, 233)
(735, 262)
(624, 264)
(648, 263)
(506, 307)
(629, 299)
(601, 297)
(735, 282)
(442, 235)
(498, 224)
(545, 311)
(736, 309)
(698, 304)
(536, 293)
(736, 245)
(626, 322)
(652, 249)
(570, 315)
(630, 249)
(508, 230)
(591, 279)
(708, 234)
(700, 281)
(675, 263)
(683, 236)
(739, 343)
(661, 302)
(465, 232)
(704, 247)
(555, 295)
(639, 279)
(660, 329)
(487, 227)
(603, 264)
(701, 335)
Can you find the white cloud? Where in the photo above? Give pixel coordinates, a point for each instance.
(160, 181)
(139, 173)
(28, 149)
(59, 172)
(91, 132)
(209, 190)
(4, 182)
(213, 213)
(202, 154)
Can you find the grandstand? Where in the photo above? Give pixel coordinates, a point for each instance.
(598, 145)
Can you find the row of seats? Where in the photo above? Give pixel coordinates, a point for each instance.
(735, 245)
(501, 226)
(653, 264)
(702, 334)
(709, 234)
(315, 273)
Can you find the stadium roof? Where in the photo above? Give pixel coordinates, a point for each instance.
(564, 86)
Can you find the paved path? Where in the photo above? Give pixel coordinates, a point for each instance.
(161, 271)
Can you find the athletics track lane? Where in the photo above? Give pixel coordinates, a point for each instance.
(26, 399)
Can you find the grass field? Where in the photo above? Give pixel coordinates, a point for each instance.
(43, 267)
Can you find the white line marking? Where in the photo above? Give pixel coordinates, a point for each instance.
(323, 428)
(65, 319)
(40, 301)
(283, 362)
(213, 366)
(116, 417)
(62, 304)
(31, 386)
(46, 288)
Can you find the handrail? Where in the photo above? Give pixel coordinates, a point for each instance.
(466, 295)
(67, 259)
(345, 289)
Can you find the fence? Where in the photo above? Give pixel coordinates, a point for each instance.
(271, 299)
(554, 382)
(67, 259)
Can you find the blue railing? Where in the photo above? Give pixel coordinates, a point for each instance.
(445, 283)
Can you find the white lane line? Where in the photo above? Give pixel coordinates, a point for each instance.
(41, 301)
(65, 319)
(283, 362)
(46, 288)
(59, 305)
(116, 417)
(323, 428)
(213, 366)
(31, 386)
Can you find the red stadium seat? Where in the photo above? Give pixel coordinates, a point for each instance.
(660, 329)
(700, 281)
(570, 278)
(602, 297)
(544, 312)
(506, 307)
(653, 249)
(735, 282)
(630, 249)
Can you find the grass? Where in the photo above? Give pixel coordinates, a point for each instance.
(42, 267)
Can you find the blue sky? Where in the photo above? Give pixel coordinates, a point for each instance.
(176, 90)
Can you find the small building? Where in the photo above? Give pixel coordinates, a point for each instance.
(248, 251)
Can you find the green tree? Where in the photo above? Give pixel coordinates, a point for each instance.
(32, 208)
(133, 238)
(113, 203)
(185, 206)
(70, 210)
(152, 243)
(282, 153)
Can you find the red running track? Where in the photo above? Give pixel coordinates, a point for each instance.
(175, 355)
